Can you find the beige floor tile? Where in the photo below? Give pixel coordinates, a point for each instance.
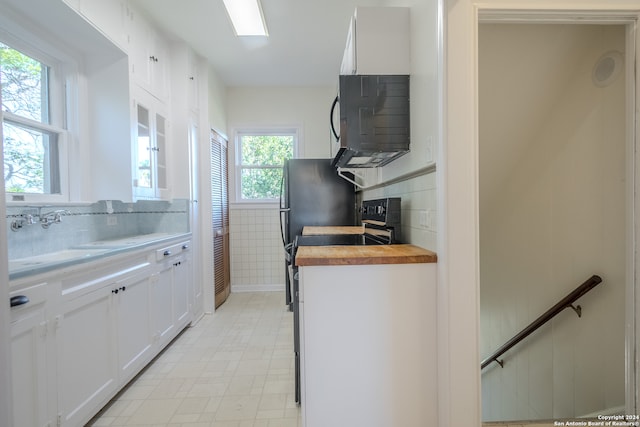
(237, 408)
(230, 369)
(155, 411)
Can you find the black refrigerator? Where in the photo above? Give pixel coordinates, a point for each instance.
(312, 194)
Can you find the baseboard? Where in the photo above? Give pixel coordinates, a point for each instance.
(257, 288)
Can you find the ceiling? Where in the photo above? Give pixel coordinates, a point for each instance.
(304, 48)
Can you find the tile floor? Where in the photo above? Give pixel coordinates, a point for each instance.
(232, 369)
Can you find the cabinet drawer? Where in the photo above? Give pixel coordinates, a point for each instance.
(23, 300)
(81, 284)
(172, 250)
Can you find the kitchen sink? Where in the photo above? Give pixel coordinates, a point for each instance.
(53, 258)
(124, 242)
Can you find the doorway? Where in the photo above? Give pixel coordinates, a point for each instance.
(553, 211)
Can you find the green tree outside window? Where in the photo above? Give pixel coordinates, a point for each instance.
(261, 160)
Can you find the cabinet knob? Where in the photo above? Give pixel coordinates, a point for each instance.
(114, 291)
(18, 300)
(124, 288)
(185, 246)
(166, 253)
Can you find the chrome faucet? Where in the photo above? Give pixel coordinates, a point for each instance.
(34, 216)
(27, 217)
(53, 217)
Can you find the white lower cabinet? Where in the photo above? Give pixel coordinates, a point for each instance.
(162, 305)
(133, 319)
(170, 290)
(29, 336)
(87, 370)
(368, 354)
(83, 335)
(181, 280)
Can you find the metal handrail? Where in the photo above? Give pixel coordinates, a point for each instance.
(565, 302)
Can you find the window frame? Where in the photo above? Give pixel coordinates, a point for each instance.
(239, 167)
(62, 71)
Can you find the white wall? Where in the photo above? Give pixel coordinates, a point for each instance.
(257, 256)
(553, 220)
(217, 103)
(306, 107)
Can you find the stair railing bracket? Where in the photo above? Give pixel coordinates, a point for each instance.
(577, 309)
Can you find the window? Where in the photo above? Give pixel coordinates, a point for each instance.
(31, 142)
(260, 158)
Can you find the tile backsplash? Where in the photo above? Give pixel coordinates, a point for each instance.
(98, 221)
(418, 208)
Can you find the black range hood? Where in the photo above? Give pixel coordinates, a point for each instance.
(374, 120)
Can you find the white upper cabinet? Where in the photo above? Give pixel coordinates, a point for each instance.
(378, 42)
(193, 80)
(149, 57)
(150, 147)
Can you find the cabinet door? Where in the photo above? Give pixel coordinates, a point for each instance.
(135, 335)
(149, 54)
(159, 60)
(193, 83)
(29, 362)
(181, 278)
(140, 55)
(162, 185)
(85, 339)
(150, 149)
(143, 149)
(162, 305)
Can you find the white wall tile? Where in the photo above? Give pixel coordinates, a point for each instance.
(257, 255)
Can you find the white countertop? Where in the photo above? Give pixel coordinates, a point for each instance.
(23, 267)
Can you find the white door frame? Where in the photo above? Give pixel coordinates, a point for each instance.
(458, 198)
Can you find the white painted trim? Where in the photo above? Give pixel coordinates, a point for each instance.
(458, 290)
(458, 253)
(6, 406)
(256, 288)
(254, 205)
(632, 308)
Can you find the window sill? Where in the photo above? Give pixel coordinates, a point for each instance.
(255, 205)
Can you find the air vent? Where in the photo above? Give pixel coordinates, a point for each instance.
(607, 68)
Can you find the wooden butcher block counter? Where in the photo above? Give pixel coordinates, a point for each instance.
(326, 230)
(363, 255)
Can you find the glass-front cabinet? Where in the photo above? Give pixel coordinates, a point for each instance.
(150, 179)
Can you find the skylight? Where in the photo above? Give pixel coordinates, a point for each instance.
(246, 17)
